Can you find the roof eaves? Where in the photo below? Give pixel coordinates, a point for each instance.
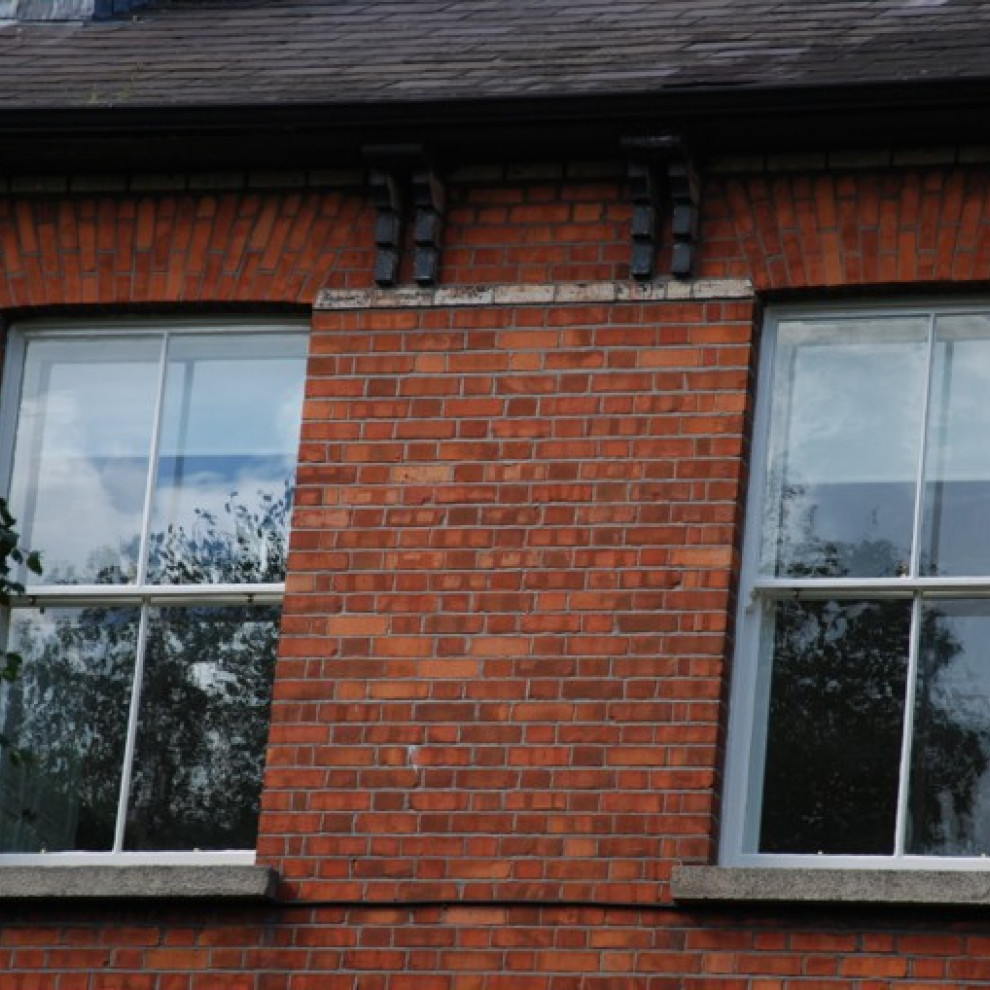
(588, 124)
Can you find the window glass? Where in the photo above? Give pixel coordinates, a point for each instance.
(64, 724)
(202, 725)
(845, 446)
(82, 446)
(230, 424)
(839, 669)
(956, 529)
(950, 766)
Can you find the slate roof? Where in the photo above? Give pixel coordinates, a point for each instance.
(208, 53)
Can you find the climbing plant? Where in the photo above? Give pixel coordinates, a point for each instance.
(12, 558)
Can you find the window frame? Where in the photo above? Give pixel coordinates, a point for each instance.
(749, 694)
(146, 595)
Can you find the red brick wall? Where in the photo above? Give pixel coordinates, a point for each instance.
(910, 225)
(786, 230)
(500, 696)
(271, 247)
(228, 247)
(549, 230)
(513, 542)
(499, 947)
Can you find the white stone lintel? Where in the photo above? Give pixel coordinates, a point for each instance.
(566, 293)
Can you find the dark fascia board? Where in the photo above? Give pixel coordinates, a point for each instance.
(734, 120)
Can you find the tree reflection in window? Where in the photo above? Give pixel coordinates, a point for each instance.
(204, 707)
(839, 685)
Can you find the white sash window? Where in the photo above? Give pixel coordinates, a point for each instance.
(861, 700)
(152, 466)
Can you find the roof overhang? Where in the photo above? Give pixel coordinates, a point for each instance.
(737, 121)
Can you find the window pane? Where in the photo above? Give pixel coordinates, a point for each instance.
(837, 685)
(81, 455)
(956, 527)
(949, 798)
(203, 725)
(65, 718)
(228, 448)
(847, 406)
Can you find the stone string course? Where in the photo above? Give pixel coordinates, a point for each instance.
(534, 295)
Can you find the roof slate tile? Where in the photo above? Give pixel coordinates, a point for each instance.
(256, 52)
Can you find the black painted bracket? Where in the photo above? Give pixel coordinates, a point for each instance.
(399, 174)
(386, 196)
(428, 201)
(643, 189)
(656, 162)
(682, 182)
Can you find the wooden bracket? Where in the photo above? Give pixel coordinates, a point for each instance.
(401, 173)
(653, 162)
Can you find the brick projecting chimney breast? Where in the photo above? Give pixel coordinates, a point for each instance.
(66, 10)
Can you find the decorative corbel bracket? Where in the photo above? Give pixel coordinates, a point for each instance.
(643, 190)
(401, 173)
(387, 197)
(657, 162)
(428, 201)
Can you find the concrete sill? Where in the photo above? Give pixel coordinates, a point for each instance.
(201, 883)
(781, 885)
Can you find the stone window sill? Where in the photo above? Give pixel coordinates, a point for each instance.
(701, 885)
(225, 882)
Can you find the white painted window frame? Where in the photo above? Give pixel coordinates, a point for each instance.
(141, 594)
(750, 688)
